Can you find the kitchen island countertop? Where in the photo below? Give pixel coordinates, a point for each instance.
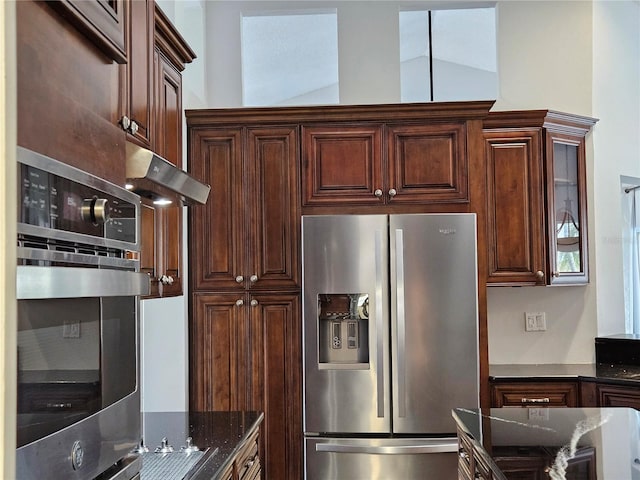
(592, 443)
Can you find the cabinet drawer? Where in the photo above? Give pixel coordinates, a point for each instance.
(549, 394)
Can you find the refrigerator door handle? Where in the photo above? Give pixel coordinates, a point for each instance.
(444, 446)
(400, 318)
(379, 325)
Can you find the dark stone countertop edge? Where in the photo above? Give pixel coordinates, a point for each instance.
(216, 460)
(606, 373)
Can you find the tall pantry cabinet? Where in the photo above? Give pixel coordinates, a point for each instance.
(245, 279)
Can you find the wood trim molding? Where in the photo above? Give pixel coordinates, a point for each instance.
(170, 42)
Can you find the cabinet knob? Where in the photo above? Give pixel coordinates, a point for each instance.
(556, 274)
(392, 192)
(134, 127)
(378, 193)
(253, 278)
(125, 122)
(239, 279)
(540, 274)
(239, 302)
(254, 302)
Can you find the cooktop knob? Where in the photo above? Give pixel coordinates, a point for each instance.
(189, 447)
(164, 447)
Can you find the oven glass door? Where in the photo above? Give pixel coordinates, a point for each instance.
(76, 356)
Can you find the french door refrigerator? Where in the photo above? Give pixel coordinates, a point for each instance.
(390, 343)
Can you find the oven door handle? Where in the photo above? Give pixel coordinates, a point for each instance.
(34, 282)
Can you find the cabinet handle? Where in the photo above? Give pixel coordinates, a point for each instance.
(540, 274)
(556, 274)
(378, 193)
(239, 302)
(392, 192)
(254, 302)
(464, 455)
(134, 127)
(534, 400)
(253, 278)
(239, 279)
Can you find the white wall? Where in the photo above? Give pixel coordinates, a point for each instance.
(164, 326)
(544, 62)
(616, 101)
(580, 57)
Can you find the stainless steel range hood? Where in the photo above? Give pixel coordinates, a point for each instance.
(151, 176)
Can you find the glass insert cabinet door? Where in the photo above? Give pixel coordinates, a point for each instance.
(567, 210)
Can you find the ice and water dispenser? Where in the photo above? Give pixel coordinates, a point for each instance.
(343, 320)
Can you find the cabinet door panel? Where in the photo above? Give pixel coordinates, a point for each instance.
(217, 237)
(515, 198)
(276, 386)
(428, 163)
(567, 209)
(168, 143)
(137, 88)
(217, 373)
(618, 396)
(342, 164)
(148, 259)
(274, 199)
(101, 21)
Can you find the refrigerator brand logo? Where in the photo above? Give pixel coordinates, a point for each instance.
(447, 231)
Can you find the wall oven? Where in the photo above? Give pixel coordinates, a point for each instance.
(78, 289)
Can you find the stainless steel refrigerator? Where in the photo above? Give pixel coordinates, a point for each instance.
(390, 343)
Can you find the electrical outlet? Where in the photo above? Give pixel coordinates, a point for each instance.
(70, 329)
(535, 322)
(538, 414)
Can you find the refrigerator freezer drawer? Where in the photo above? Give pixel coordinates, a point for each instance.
(380, 459)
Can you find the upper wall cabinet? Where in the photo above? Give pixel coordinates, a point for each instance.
(246, 236)
(136, 80)
(537, 198)
(101, 21)
(161, 251)
(387, 155)
(349, 165)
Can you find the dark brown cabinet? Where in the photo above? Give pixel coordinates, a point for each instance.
(348, 164)
(101, 21)
(536, 198)
(610, 395)
(136, 90)
(246, 463)
(534, 463)
(247, 236)
(534, 394)
(245, 355)
(161, 250)
(245, 338)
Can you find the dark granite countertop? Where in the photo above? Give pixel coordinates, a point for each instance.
(611, 436)
(218, 434)
(617, 361)
(601, 372)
